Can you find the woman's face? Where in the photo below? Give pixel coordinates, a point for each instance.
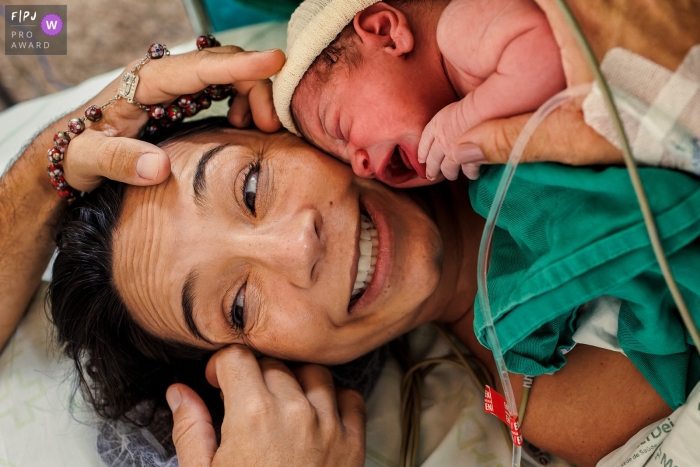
(255, 239)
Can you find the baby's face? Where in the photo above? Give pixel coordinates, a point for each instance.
(372, 118)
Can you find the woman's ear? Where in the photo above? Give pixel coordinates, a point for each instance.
(382, 26)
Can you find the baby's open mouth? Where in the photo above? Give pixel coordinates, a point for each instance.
(367, 260)
(398, 169)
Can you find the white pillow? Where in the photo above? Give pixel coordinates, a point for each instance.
(36, 427)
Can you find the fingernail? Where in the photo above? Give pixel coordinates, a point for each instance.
(467, 153)
(275, 117)
(471, 171)
(148, 166)
(269, 51)
(174, 398)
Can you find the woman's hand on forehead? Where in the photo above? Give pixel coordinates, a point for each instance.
(121, 157)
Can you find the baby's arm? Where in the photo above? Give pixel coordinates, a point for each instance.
(522, 69)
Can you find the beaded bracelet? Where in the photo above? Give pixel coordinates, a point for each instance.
(186, 105)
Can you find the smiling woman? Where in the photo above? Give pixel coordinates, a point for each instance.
(265, 241)
(132, 336)
(259, 240)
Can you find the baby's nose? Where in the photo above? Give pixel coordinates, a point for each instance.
(361, 164)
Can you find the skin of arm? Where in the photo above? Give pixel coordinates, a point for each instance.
(584, 411)
(506, 66)
(28, 215)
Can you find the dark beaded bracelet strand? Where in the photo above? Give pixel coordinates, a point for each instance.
(161, 116)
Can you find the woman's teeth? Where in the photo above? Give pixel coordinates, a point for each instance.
(368, 255)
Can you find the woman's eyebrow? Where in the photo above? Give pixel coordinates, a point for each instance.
(199, 181)
(188, 306)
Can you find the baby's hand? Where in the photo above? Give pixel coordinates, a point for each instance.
(437, 144)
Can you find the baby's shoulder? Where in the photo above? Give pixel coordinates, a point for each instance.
(472, 34)
(473, 26)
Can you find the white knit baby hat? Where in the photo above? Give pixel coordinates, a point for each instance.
(312, 27)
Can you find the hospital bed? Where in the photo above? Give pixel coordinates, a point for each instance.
(43, 422)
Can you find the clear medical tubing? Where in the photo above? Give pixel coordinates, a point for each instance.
(633, 172)
(485, 247)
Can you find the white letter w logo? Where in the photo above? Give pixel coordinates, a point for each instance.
(51, 24)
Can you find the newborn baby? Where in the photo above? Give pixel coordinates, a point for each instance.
(389, 87)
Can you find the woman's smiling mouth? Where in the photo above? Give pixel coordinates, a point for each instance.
(374, 250)
(368, 245)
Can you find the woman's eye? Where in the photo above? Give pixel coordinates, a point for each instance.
(238, 311)
(250, 188)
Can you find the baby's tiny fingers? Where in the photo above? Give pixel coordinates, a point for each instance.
(426, 141)
(434, 161)
(450, 169)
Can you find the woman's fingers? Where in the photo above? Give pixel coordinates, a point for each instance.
(270, 420)
(562, 137)
(104, 149)
(253, 103)
(317, 383)
(235, 370)
(197, 70)
(262, 108)
(193, 433)
(94, 155)
(239, 114)
(280, 381)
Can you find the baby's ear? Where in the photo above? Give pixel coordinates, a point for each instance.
(382, 26)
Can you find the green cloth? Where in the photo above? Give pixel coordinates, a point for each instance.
(568, 235)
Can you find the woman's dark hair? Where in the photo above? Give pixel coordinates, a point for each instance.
(119, 364)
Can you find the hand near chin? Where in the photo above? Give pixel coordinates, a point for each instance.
(107, 149)
(273, 417)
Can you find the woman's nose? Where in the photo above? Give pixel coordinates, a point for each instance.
(293, 247)
(361, 164)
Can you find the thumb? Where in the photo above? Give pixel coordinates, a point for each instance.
(193, 433)
(490, 141)
(562, 137)
(128, 160)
